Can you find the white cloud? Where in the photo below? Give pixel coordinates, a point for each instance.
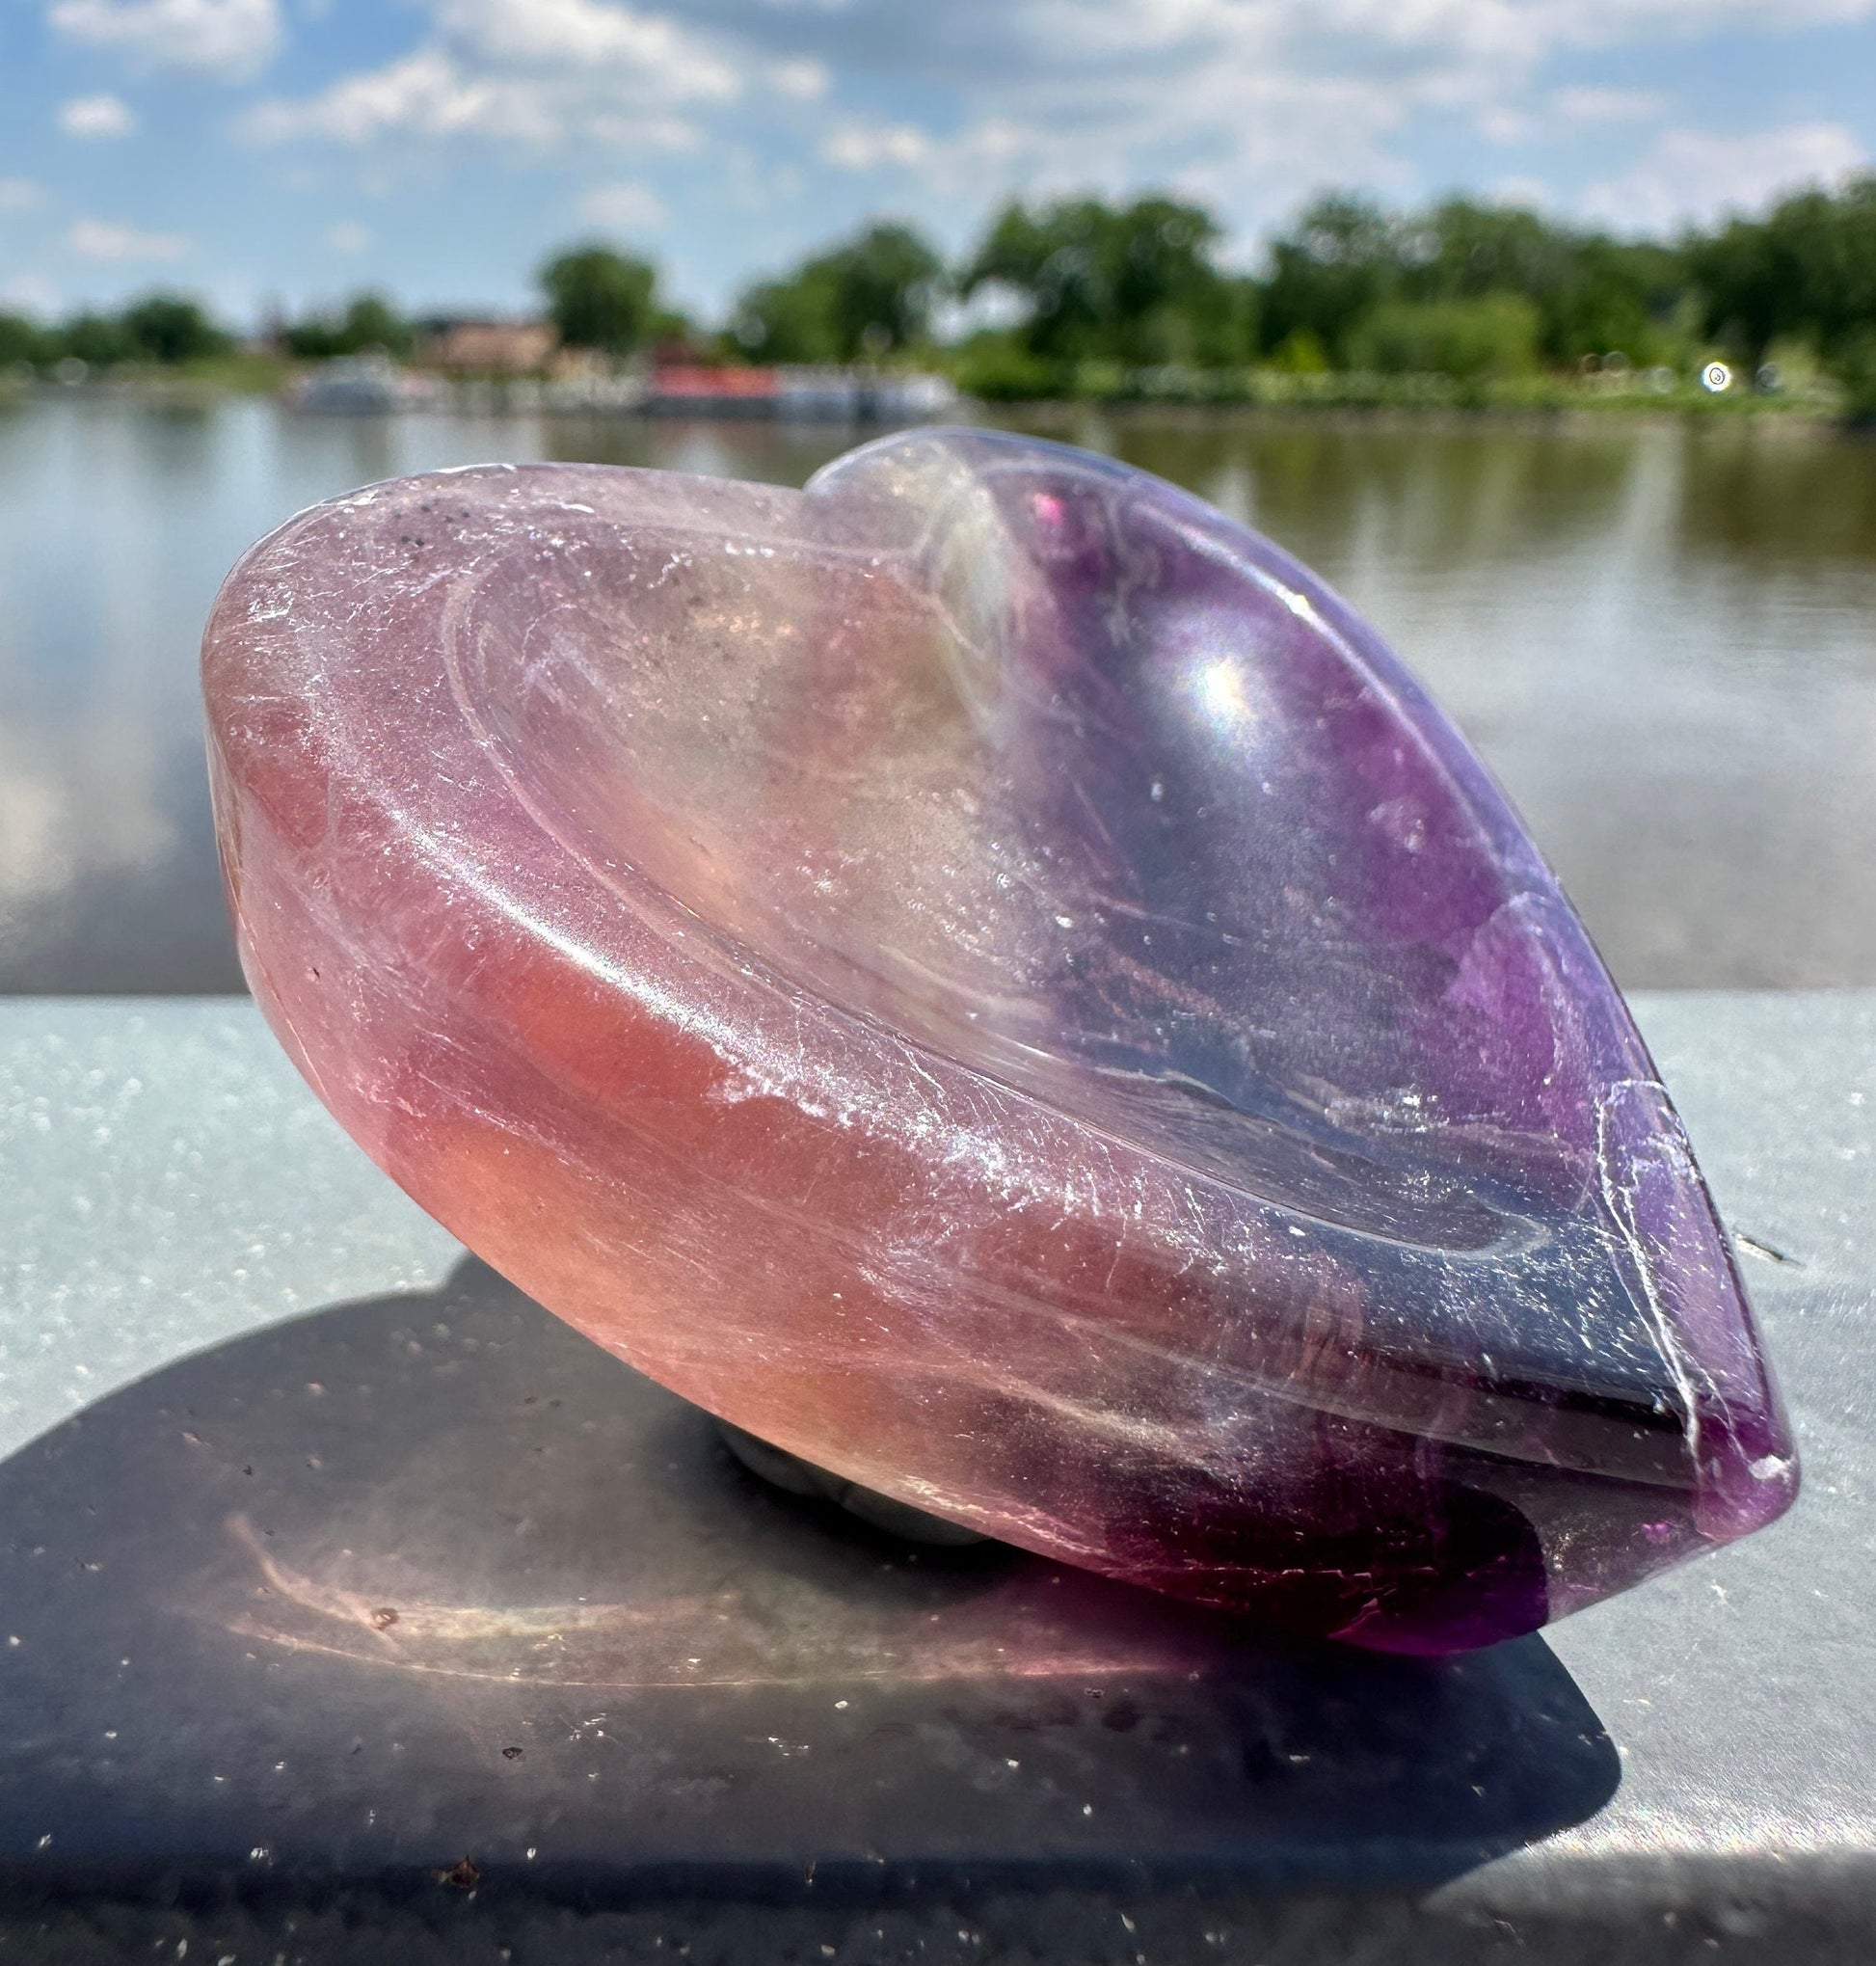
(348, 237)
(1249, 104)
(1607, 23)
(799, 79)
(101, 240)
(624, 208)
(1252, 137)
(985, 159)
(1499, 124)
(431, 96)
(558, 34)
(1519, 32)
(230, 39)
(1691, 175)
(536, 73)
(97, 116)
(19, 194)
(423, 95)
(868, 147)
(1607, 105)
(942, 110)
(1253, 104)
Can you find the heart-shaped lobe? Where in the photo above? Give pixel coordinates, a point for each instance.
(987, 975)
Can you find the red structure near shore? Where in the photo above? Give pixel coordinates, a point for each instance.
(687, 388)
(679, 386)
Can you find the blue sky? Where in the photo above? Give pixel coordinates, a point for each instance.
(295, 151)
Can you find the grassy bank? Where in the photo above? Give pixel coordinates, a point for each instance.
(204, 379)
(1263, 387)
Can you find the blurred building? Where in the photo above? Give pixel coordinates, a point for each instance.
(468, 345)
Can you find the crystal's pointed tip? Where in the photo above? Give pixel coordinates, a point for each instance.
(1748, 1471)
(1668, 1442)
(1777, 1480)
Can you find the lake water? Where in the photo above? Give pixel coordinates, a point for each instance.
(1662, 637)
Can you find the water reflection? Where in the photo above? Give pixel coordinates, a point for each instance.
(1660, 637)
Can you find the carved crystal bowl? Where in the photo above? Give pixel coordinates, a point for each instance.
(990, 978)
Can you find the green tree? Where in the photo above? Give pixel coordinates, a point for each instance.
(603, 299)
(100, 340)
(1489, 335)
(790, 319)
(1346, 259)
(869, 297)
(367, 321)
(1854, 364)
(1461, 249)
(23, 339)
(1806, 269)
(995, 365)
(1134, 283)
(1344, 256)
(1621, 296)
(1594, 295)
(172, 327)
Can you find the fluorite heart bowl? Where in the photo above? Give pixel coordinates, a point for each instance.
(986, 975)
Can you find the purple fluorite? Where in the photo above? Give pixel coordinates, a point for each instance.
(985, 974)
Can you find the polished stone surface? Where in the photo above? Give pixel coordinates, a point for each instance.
(204, 1277)
(987, 975)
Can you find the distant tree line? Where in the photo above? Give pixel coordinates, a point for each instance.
(166, 328)
(1065, 297)
(1076, 295)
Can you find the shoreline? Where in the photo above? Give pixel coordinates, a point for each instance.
(1053, 416)
(1410, 407)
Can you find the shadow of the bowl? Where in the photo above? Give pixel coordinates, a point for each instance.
(428, 1577)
